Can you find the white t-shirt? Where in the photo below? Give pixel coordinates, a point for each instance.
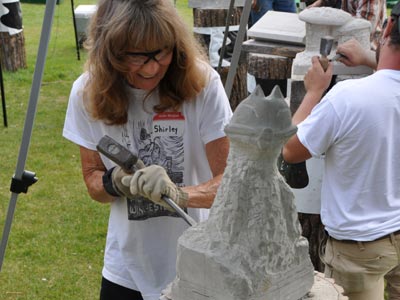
(142, 237)
(357, 126)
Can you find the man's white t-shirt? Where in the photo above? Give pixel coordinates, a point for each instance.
(356, 127)
(142, 237)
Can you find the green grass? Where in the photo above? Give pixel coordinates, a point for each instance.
(55, 249)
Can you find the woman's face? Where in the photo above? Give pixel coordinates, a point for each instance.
(146, 69)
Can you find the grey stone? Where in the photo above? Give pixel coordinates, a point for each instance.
(251, 246)
(327, 21)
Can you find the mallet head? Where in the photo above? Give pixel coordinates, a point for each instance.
(325, 49)
(326, 45)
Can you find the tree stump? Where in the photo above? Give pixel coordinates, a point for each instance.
(206, 18)
(12, 51)
(270, 70)
(314, 231)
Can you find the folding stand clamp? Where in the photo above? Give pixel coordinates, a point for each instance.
(21, 185)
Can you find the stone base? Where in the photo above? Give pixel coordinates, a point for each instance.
(322, 289)
(286, 289)
(302, 63)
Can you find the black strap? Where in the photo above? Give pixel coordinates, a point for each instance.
(296, 175)
(108, 184)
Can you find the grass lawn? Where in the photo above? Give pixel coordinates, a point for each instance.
(55, 249)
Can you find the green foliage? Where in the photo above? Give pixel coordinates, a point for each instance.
(55, 249)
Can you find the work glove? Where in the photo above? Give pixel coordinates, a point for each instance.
(112, 181)
(152, 182)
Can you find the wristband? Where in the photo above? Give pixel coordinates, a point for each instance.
(108, 184)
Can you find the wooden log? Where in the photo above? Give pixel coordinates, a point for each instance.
(267, 66)
(273, 48)
(314, 231)
(238, 90)
(12, 51)
(217, 18)
(270, 70)
(297, 93)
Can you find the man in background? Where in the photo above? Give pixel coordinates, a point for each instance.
(355, 127)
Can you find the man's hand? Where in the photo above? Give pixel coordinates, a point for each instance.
(355, 55)
(316, 80)
(152, 182)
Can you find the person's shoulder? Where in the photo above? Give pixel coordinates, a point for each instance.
(353, 83)
(205, 68)
(82, 79)
(352, 92)
(79, 84)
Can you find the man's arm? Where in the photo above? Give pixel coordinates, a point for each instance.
(316, 82)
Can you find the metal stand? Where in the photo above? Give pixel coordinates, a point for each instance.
(238, 47)
(76, 33)
(3, 97)
(22, 178)
(228, 21)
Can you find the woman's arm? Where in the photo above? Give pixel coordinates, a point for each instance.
(93, 170)
(202, 195)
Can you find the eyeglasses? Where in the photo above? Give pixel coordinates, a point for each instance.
(142, 58)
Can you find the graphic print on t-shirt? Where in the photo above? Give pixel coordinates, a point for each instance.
(155, 149)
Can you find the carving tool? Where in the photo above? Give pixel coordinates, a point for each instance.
(337, 56)
(127, 161)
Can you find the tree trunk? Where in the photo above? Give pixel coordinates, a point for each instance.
(270, 70)
(13, 56)
(314, 231)
(213, 18)
(12, 40)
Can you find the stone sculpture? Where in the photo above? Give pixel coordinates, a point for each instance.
(327, 21)
(251, 246)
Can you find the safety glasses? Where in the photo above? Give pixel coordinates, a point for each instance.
(142, 58)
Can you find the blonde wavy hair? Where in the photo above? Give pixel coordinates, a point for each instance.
(120, 25)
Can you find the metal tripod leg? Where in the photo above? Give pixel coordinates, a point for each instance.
(3, 97)
(238, 47)
(23, 179)
(75, 31)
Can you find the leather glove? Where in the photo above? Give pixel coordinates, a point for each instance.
(152, 182)
(112, 181)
